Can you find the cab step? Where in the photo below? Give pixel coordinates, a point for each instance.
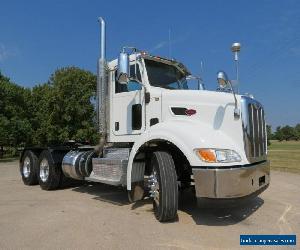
(112, 168)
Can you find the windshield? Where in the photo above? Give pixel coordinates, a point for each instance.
(165, 76)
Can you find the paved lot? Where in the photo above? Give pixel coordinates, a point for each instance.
(98, 217)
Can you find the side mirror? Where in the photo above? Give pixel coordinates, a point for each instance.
(222, 79)
(123, 72)
(224, 82)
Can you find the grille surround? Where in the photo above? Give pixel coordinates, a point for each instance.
(254, 129)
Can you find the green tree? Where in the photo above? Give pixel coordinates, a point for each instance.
(54, 112)
(4, 125)
(62, 107)
(278, 134)
(269, 134)
(288, 133)
(15, 127)
(40, 108)
(297, 131)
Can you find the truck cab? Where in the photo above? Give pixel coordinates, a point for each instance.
(160, 133)
(219, 146)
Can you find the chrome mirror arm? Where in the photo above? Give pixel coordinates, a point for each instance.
(237, 112)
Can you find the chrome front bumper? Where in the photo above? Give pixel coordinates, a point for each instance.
(235, 182)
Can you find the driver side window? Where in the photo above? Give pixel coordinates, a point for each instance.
(131, 85)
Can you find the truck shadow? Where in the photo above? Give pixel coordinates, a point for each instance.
(214, 215)
(218, 213)
(106, 193)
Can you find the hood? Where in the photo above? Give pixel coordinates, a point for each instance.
(212, 111)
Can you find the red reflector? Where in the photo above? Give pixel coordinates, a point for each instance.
(190, 112)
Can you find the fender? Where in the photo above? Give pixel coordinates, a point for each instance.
(187, 135)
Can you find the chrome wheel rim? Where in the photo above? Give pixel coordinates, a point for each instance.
(44, 170)
(154, 187)
(26, 167)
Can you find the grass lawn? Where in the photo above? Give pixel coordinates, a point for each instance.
(285, 155)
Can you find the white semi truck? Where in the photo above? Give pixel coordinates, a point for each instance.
(157, 136)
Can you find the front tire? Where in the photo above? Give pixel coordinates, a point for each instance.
(49, 175)
(28, 168)
(164, 188)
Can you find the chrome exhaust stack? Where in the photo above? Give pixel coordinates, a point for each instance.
(102, 89)
(102, 80)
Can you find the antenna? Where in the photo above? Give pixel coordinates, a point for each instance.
(235, 48)
(170, 43)
(202, 70)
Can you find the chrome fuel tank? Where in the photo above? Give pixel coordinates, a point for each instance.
(77, 164)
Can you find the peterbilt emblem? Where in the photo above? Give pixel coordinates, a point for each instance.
(256, 105)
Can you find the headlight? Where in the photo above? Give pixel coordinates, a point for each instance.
(218, 155)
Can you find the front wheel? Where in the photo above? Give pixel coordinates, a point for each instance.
(163, 186)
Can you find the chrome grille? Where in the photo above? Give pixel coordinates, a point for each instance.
(254, 129)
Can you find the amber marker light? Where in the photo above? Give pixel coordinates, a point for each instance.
(207, 155)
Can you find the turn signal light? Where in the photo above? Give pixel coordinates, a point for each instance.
(207, 155)
(218, 155)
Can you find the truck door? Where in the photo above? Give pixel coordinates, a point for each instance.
(128, 106)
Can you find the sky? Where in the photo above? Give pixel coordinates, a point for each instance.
(38, 37)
